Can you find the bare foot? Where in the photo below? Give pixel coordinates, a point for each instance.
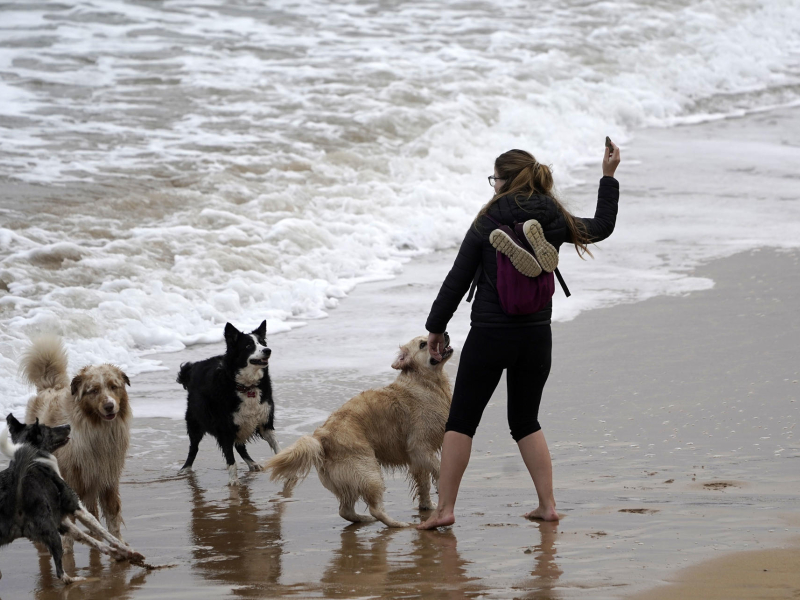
(440, 518)
(543, 514)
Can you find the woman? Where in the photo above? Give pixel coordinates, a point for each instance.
(497, 341)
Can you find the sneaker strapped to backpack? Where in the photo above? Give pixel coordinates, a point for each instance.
(525, 266)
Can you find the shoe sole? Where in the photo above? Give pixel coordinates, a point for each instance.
(523, 261)
(545, 253)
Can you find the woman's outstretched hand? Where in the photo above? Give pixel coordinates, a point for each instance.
(436, 345)
(610, 160)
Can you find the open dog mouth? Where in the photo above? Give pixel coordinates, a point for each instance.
(263, 362)
(110, 417)
(446, 353)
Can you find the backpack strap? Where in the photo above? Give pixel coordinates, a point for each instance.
(478, 274)
(493, 220)
(562, 282)
(479, 270)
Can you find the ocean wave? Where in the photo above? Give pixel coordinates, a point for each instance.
(173, 167)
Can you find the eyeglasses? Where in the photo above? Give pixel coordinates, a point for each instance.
(492, 180)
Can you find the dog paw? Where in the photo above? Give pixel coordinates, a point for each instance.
(69, 580)
(255, 467)
(118, 555)
(427, 506)
(185, 470)
(233, 483)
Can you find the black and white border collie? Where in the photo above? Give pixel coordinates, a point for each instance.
(37, 504)
(230, 397)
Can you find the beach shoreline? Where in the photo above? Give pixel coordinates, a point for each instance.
(671, 421)
(632, 520)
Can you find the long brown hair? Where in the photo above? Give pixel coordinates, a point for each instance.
(525, 176)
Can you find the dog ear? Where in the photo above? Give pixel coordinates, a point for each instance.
(125, 377)
(76, 387)
(14, 426)
(403, 359)
(261, 332)
(231, 334)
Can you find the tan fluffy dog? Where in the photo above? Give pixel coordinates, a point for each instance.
(400, 426)
(95, 404)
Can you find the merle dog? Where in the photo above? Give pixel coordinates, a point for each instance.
(37, 504)
(230, 397)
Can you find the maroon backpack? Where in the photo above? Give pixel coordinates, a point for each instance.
(518, 293)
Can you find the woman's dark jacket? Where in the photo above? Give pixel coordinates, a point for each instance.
(476, 250)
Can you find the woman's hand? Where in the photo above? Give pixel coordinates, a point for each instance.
(610, 160)
(436, 345)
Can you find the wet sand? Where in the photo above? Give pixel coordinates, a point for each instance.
(742, 576)
(672, 424)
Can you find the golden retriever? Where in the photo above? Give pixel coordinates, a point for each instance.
(95, 404)
(400, 426)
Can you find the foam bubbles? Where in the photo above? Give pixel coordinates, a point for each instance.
(181, 168)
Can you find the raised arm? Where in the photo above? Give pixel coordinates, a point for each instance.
(605, 215)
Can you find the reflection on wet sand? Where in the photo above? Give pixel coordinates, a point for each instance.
(546, 571)
(105, 579)
(365, 565)
(235, 543)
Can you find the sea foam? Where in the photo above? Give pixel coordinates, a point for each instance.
(171, 169)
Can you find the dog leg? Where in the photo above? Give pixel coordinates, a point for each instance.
(372, 491)
(422, 469)
(53, 543)
(251, 464)
(195, 435)
(80, 536)
(94, 527)
(435, 465)
(111, 505)
(422, 486)
(67, 545)
(348, 512)
(345, 490)
(101, 533)
(233, 475)
(66, 579)
(227, 450)
(268, 435)
(376, 510)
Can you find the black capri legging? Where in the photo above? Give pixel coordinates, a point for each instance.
(526, 353)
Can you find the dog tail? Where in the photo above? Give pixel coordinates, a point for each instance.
(20, 466)
(7, 447)
(44, 363)
(184, 374)
(294, 463)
